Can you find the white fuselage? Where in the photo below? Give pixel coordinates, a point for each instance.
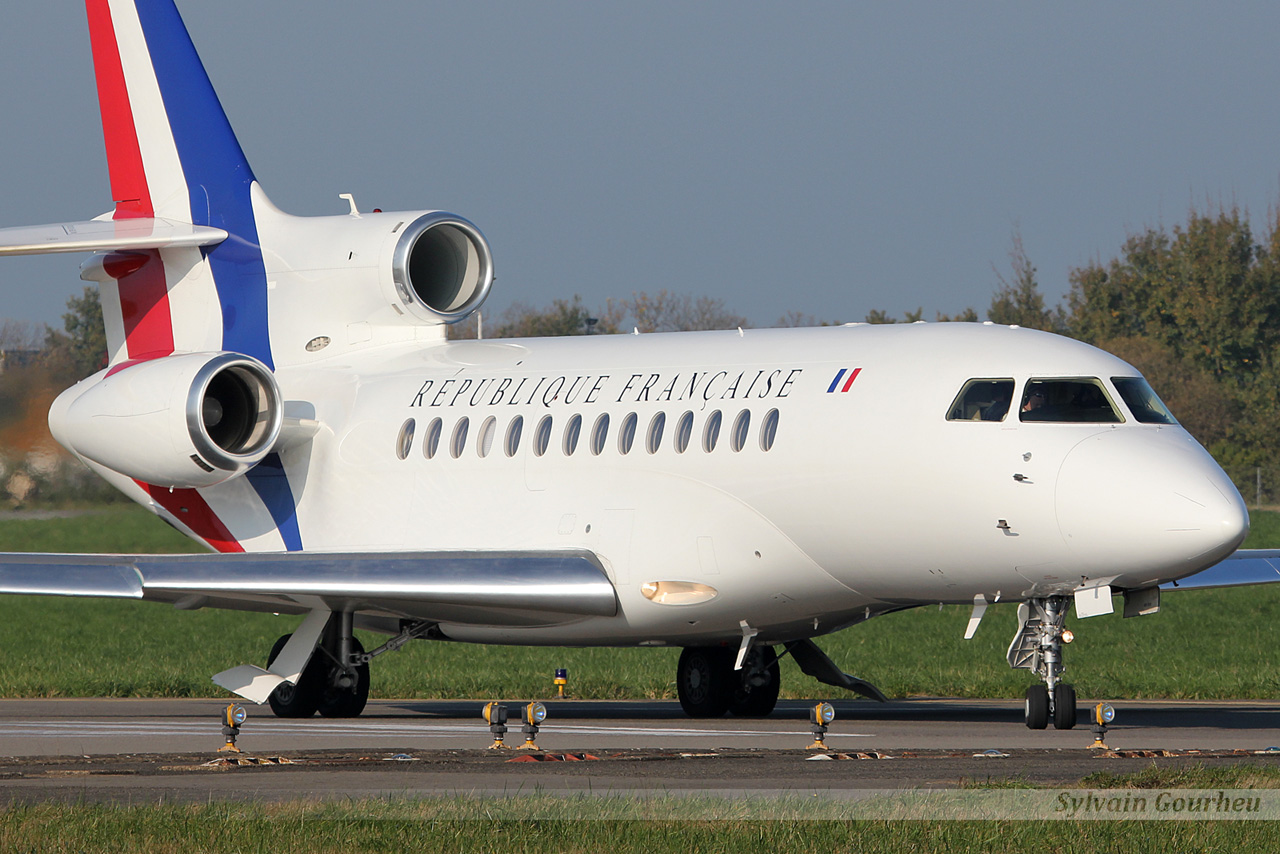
(868, 498)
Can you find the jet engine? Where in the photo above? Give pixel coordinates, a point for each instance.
(441, 267)
(186, 420)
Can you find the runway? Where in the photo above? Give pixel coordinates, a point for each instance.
(76, 727)
(142, 750)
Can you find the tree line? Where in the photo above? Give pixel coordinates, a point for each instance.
(1195, 307)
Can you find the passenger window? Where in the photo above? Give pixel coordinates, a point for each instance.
(654, 440)
(599, 433)
(769, 430)
(404, 442)
(1076, 401)
(684, 432)
(711, 432)
(542, 439)
(484, 443)
(432, 440)
(627, 435)
(1143, 402)
(982, 400)
(741, 426)
(513, 435)
(459, 443)
(571, 432)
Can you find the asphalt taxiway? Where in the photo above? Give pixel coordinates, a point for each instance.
(148, 750)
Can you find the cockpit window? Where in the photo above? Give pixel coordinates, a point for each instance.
(1142, 401)
(982, 400)
(1075, 401)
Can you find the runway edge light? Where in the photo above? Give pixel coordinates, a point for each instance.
(233, 716)
(820, 716)
(495, 715)
(1103, 714)
(534, 714)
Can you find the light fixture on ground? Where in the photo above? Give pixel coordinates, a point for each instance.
(1103, 714)
(232, 717)
(561, 680)
(819, 717)
(533, 715)
(495, 715)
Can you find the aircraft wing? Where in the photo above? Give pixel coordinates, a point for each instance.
(487, 588)
(1246, 566)
(99, 235)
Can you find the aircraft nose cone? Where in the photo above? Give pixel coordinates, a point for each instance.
(1148, 504)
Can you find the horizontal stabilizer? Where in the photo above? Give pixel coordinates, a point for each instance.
(464, 586)
(1244, 567)
(814, 662)
(104, 235)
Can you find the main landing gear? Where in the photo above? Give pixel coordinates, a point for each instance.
(708, 685)
(1038, 647)
(335, 681)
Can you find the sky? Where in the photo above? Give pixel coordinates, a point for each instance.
(821, 158)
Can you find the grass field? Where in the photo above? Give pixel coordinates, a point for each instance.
(466, 826)
(1203, 644)
(463, 826)
(538, 823)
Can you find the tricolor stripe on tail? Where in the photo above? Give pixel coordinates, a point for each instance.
(172, 154)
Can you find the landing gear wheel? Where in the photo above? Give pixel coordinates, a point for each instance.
(1064, 706)
(704, 681)
(756, 691)
(295, 701)
(1037, 707)
(339, 702)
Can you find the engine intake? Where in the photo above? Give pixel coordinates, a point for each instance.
(187, 420)
(233, 410)
(442, 267)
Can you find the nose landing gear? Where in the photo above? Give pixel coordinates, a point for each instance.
(1038, 647)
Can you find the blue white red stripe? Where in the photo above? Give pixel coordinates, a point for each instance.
(848, 383)
(172, 153)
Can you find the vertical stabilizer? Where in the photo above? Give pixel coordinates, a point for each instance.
(172, 154)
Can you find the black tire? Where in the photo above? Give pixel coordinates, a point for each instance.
(295, 701)
(1037, 707)
(1064, 706)
(756, 701)
(704, 681)
(344, 702)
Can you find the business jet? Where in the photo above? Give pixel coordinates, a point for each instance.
(281, 390)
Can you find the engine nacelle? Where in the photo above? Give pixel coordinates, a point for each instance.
(186, 420)
(441, 267)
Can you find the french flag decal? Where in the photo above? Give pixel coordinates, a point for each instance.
(848, 381)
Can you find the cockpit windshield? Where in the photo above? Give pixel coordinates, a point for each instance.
(1142, 401)
(982, 400)
(1077, 400)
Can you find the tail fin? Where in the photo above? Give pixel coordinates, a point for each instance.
(172, 155)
